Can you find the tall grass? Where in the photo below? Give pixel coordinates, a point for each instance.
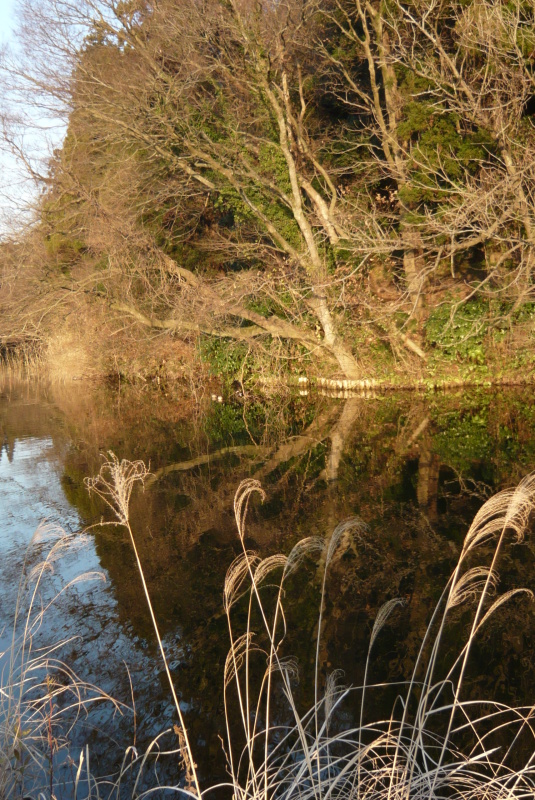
(21, 359)
(114, 485)
(434, 744)
(41, 698)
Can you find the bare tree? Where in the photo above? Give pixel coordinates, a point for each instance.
(211, 99)
(441, 92)
(229, 167)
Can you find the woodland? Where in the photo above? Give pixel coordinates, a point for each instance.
(336, 188)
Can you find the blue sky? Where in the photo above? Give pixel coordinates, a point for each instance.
(15, 190)
(6, 19)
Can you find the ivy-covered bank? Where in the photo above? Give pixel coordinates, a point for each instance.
(480, 343)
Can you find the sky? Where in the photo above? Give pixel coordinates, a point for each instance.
(44, 132)
(15, 190)
(6, 19)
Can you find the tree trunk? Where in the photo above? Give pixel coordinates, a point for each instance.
(413, 266)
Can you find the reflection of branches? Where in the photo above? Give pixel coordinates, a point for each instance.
(184, 466)
(339, 435)
(334, 426)
(296, 446)
(322, 428)
(468, 486)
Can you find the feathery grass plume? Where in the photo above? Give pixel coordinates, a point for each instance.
(41, 698)
(114, 485)
(289, 666)
(352, 524)
(504, 598)
(268, 565)
(307, 546)
(235, 577)
(380, 621)
(339, 535)
(382, 617)
(507, 511)
(331, 692)
(241, 502)
(488, 519)
(416, 753)
(471, 584)
(521, 506)
(236, 655)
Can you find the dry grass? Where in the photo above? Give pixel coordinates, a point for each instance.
(435, 743)
(22, 360)
(67, 356)
(114, 485)
(414, 753)
(41, 698)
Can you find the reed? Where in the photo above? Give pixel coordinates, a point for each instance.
(21, 359)
(434, 744)
(420, 750)
(416, 751)
(114, 485)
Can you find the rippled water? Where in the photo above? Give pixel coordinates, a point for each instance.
(414, 468)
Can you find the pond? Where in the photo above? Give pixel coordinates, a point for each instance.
(415, 468)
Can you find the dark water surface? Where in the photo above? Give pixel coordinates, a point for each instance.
(414, 468)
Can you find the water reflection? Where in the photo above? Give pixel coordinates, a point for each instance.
(414, 468)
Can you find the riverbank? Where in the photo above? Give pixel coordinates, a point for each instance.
(192, 368)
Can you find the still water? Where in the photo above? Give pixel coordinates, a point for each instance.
(415, 468)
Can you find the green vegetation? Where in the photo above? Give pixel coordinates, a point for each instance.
(225, 359)
(460, 334)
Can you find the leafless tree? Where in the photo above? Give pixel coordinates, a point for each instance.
(230, 167)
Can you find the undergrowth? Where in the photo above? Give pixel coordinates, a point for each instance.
(435, 744)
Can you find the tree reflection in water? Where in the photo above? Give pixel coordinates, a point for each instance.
(414, 468)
